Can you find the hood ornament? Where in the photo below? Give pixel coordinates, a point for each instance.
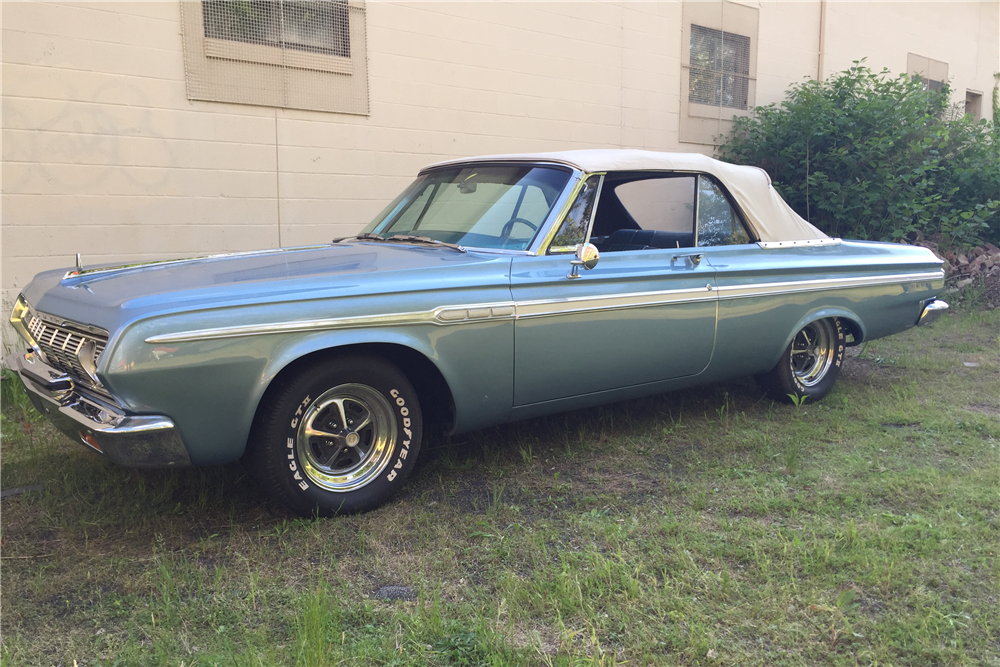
(79, 262)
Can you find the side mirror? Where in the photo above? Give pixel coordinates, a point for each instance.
(587, 256)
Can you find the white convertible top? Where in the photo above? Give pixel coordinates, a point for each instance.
(767, 213)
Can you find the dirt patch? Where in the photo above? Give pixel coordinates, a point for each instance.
(865, 369)
(984, 408)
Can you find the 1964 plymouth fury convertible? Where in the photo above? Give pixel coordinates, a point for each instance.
(493, 289)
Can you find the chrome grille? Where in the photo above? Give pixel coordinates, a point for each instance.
(60, 344)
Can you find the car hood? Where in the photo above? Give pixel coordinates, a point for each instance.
(111, 296)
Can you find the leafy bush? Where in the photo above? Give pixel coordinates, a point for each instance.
(873, 156)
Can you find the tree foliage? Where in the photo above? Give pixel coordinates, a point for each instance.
(873, 156)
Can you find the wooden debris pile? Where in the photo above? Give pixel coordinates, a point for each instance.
(978, 266)
(978, 263)
(965, 267)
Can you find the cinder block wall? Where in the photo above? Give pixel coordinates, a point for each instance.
(103, 154)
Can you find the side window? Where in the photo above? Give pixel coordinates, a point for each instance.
(718, 223)
(661, 204)
(574, 228)
(642, 211)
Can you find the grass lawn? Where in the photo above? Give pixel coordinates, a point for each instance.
(706, 527)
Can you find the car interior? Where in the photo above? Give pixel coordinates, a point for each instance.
(643, 210)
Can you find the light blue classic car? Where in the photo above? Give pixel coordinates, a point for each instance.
(493, 289)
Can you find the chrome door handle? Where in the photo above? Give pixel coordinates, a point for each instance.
(695, 258)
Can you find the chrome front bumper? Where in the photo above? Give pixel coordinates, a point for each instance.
(137, 441)
(933, 309)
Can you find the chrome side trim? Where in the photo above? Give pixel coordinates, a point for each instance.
(795, 287)
(474, 313)
(586, 304)
(449, 315)
(507, 310)
(304, 326)
(770, 245)
(444, 315)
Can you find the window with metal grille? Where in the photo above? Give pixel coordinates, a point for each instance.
(315, 26)
(720, 68)
(298, 54)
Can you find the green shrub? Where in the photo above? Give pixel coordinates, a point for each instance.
(874, 156)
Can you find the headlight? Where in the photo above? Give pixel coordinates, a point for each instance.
(18, 320)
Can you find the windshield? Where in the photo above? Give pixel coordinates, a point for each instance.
(495, 206)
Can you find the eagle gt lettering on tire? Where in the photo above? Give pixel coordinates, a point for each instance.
(338, 437)
(809, 365)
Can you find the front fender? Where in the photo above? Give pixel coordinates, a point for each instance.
(211, 388)
(475, 360)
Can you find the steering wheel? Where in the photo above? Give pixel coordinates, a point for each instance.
(509, 226)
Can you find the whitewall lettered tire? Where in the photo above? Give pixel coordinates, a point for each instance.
(338, 437)
(810, 364)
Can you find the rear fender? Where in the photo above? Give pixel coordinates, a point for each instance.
(849, 320)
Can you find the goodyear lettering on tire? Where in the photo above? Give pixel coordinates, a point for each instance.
(404, 413)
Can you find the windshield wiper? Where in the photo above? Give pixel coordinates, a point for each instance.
(367, 236)
(401, 238)
(406, 238)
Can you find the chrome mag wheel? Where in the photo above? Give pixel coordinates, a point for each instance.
(346, 437)
(813, 351)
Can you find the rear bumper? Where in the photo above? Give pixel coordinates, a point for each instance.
(933, 309)
(137, 441)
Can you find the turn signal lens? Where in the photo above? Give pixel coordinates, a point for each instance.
(91, 441)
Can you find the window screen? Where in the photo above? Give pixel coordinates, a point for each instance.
(296, 54)
(316, 26)
(720, 68)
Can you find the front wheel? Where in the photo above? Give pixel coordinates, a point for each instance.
(810, 364)
(339, 437)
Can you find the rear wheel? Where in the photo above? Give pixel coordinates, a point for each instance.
(810, 364)
(337, 438)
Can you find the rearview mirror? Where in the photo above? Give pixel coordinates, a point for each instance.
(587, 256)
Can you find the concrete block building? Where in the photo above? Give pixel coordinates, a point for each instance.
(174, 128)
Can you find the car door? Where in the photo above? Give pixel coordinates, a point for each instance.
(643, 314)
